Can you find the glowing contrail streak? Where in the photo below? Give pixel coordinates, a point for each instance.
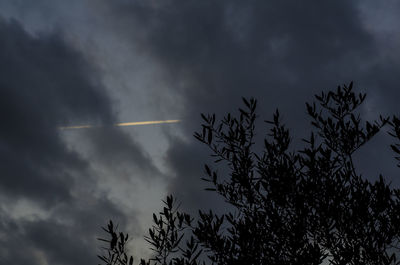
(121, 124)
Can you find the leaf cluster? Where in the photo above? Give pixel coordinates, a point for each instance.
(115, 248)
(305, 206)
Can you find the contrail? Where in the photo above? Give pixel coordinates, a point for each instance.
(120, 124)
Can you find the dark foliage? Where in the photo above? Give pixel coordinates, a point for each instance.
(288, 207)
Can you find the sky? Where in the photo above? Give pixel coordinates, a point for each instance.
(102, 62)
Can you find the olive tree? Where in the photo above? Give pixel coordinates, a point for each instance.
(287, 206)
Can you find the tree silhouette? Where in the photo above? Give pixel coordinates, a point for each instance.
(307, 206)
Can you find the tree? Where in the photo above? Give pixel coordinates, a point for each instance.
(305, 206)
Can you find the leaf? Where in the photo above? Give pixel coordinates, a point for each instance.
(103, 258)
(208, 170)
(169, 201)
(114, 240)
(209, 136)
(246, 102)
(395, 149)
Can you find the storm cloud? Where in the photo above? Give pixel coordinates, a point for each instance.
(282, 53)
(101, 62)
(46, 84)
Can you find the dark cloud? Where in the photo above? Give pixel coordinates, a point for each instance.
(215, 52)
(45, 84)
(121, 155)
(234, 48)
(12, 242)
(211, 53)
(68, 236)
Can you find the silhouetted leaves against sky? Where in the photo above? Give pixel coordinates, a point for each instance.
(103, 62)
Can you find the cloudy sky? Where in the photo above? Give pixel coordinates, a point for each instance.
(102, 62)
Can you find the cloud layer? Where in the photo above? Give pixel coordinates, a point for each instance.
(214, 52)
(180, 57)
(51, 206)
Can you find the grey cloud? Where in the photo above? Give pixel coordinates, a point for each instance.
(44, 84)
(282, 51)
(73, 241)
(211, 53)
(115, 149)
(214, 52)
(10, 243)
(68, 236)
